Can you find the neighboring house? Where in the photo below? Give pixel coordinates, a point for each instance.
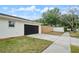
(11, 26)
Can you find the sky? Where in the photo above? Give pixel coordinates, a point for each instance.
(32, 12)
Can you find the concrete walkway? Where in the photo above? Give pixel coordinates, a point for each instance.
(61, 45)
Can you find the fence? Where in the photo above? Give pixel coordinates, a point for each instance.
(58, 29)
(46, 29)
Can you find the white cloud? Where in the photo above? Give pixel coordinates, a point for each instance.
(4, 8)
(12, 11)
(51, 8)
(31, 8)
(21, 9)
(74, 8)
(46, 8)
(30, 17)
(33, 17)
(64, 12)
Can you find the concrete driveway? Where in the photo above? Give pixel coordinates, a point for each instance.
(61, 43)
(45, 36)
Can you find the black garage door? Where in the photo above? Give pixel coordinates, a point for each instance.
(30, 29)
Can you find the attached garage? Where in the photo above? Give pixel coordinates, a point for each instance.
(11, 26)
(30, 29)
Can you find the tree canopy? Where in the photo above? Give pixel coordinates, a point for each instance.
(51, 17)
(55, 18)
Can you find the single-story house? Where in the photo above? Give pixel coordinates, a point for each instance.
(11, 26)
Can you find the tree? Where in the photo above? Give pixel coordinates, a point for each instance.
(54, 17)
(70, 19)
(42, 21)
(51, 17)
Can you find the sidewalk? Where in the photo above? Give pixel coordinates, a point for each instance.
(61, 45)
(74, 41)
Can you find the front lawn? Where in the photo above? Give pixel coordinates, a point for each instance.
(74, 49)
(55, 33)
(23, 44)
(74, 34)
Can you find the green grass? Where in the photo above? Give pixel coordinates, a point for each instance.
(74, 34)
(74, 49)
(23, 44)
(55, 33)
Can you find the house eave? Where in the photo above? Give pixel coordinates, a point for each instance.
(17, 18)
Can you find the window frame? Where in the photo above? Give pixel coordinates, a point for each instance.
(11, 23)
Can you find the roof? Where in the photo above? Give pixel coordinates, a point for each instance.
(22, 19)
(13, 16)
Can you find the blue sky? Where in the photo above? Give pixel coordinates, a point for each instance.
(32, 12)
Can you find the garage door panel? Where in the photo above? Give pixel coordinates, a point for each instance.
(30, 29)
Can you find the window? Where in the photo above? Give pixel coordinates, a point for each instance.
(11, 23)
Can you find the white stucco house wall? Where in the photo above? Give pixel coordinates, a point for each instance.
(11, 26)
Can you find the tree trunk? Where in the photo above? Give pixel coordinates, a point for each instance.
(73, 29)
